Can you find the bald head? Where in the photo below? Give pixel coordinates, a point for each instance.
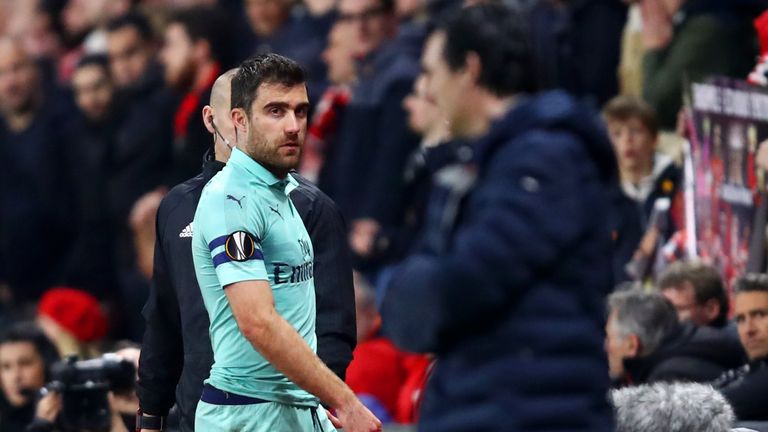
(221, 92)
(216, 115)
(18, 78)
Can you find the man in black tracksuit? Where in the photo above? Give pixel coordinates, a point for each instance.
(176, 347)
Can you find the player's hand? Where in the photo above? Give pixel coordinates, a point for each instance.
(357, 418)
(49, 407)
(335, 421)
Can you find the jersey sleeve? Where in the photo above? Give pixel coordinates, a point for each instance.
(232, 230)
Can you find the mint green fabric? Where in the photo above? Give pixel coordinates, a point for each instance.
(246, 228)
(264, 417)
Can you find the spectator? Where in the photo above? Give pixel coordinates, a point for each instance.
(389, 244)
(26, 356)
(379, 371)
(192, 55)
(696, 291)
(342, 73)
(688, 41)
(142, 150)
(295, 30)
(512, 300)
(645, 342)
(34, 185)
(577, 45)
(746, 388)
(671, 408)
(90, 140)
(646, 177)
(373, 141)
(73, 320)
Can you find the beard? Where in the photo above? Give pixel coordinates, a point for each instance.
(268, 153)
(183, 79)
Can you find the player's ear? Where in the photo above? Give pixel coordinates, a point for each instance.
(239, 120)
(208, 118)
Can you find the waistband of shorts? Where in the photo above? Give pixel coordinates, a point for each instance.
(214, 396)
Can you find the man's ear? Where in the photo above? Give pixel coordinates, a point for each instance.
(633, 346)
(473, 67)
(239, 120)
(711, 309)
(208, 118)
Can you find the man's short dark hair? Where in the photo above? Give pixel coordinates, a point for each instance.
(751, 282)
(99, 60)
(31, 333)
(706, 281)
(499, 36)
(263, 69)
(624, 107)
(203, 23)
(135, 20)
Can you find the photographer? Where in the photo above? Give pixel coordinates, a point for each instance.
(95, 395)
(26, 356)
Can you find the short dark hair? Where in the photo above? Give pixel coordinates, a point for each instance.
(499, 36)
(624, 107)
(99, 60)
(135, 20)
(706, 281)
(202, 23)
(31, 333)
(261, 69)
(751, 282)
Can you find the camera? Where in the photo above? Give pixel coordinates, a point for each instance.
(84, 386)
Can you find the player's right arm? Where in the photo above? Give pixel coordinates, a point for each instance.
(253, 307)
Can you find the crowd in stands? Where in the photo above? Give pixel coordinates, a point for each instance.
(100, 115)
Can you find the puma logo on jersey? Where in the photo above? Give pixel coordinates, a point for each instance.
(230, 197)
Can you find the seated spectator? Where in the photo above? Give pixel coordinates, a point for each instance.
(746, 388)
(696, 291)
(26, 356)
(73, 320)
(688, 41)
(671, 407)
(388, 381)
(646, 343)
(646, 176)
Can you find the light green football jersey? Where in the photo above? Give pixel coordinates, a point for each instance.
(246, 228)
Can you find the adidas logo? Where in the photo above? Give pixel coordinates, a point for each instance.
(187, 231)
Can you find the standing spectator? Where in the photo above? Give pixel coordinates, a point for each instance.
(688, 41)
(342, 73)
(646, 176)
(26, 356)
(90, 141)
(746, 388)
(142, 150)
(513, 300)
(35, 219)
(373, 141)
(646, 343)
(295, 30)
(192, 55)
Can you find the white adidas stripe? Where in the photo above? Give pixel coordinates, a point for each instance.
(187, 231)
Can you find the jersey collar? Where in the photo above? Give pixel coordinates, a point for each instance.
(263, 175)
